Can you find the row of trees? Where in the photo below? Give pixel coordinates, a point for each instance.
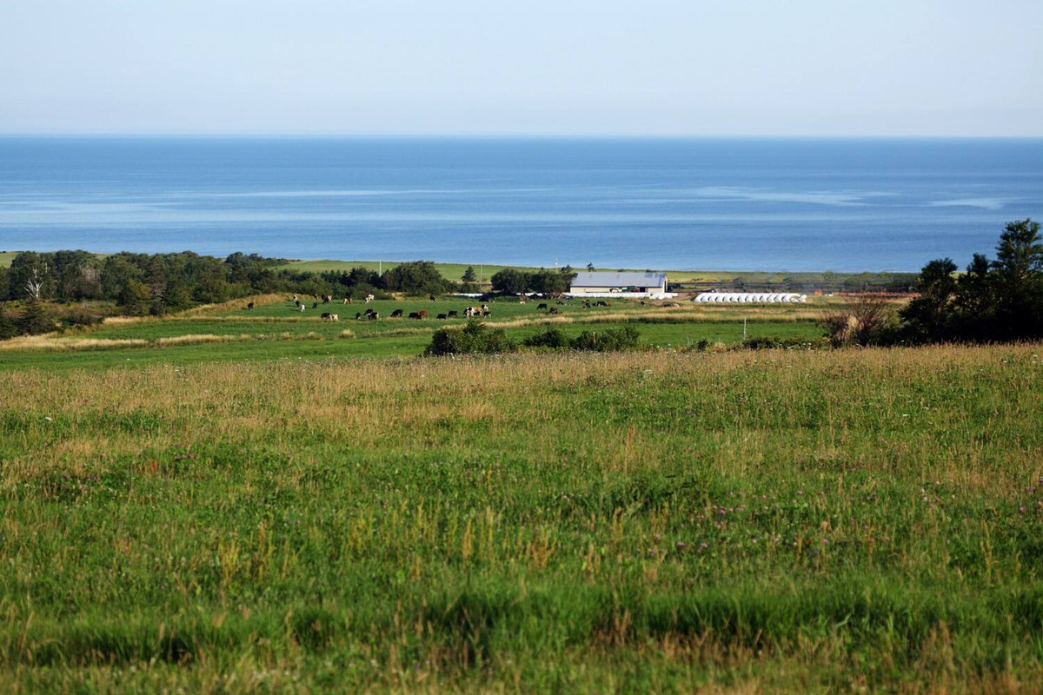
(156, 283)
(140, 284)
(994, 300)
(543, 281)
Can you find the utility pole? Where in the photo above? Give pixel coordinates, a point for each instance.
(744, 329)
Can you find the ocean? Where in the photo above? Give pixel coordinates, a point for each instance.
(728, 204)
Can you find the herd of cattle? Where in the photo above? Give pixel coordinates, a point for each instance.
(479, 311)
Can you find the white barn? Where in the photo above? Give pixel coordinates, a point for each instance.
(619, 284)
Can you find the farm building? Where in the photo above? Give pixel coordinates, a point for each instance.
(747, 297)
(615, 284)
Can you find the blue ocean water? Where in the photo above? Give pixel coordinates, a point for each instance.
(736, 204)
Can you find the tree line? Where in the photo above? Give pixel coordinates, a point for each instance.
(542, 281)
(157, 284)
(993, 300)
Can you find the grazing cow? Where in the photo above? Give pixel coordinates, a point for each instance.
(553, 310)
(358, 315)
(397, 313)
(369, 298)
(326, 315)
(295, 298)
(453, 314)
(302, 307)
(561, 303)
(442, 317)
(432, 297)
(296, 302)
(423, 314)
(314, 305)
(602, 304)
(522, 299)
(586, 303)
(542, 306)
(250, 305)
(374, 316)
(414, 314)
(487, 313)
(369, 311)
(347, 300)
(326, 299)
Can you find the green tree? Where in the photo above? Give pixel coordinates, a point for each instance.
(548, 282)
(30, 276)
(928, 317)
(1018, 281)
(35, 319)
(415, 277)
(469, 275)
(510, 281)
(134, 297)
(8, 328)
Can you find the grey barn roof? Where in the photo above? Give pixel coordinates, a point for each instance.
(610, 279)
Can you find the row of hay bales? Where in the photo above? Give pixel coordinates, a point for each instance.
(750, 297)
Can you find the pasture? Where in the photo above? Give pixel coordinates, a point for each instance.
(276, 329)
(652, 521)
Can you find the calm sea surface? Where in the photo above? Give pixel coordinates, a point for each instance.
(844, 205)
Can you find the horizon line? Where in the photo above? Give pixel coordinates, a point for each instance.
(490, 136)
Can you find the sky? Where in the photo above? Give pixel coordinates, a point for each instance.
(530, 67)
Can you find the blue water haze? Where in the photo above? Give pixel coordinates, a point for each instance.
(736, 204)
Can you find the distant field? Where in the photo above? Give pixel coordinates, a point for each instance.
(855, 521)
(276, 329)
(454, 271)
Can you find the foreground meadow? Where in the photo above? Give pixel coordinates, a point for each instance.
(807, 521)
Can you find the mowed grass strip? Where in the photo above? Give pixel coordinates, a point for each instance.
(633, 522)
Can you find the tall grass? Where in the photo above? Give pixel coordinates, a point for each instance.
(631, 522)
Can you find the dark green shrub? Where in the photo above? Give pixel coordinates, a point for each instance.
(553, 338)
(783, 343)
(610, 340)
(474, 338)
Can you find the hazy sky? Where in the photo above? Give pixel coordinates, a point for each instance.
(647, 67)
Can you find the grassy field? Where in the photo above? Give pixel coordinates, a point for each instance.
(276, 329)
(6, 257)
(753, 521)
(454, 271)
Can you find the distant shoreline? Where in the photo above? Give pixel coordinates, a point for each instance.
(321, 265)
